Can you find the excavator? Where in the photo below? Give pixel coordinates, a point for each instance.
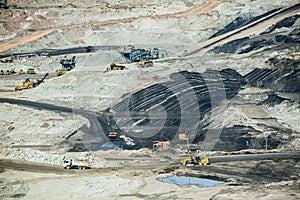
(28, 83)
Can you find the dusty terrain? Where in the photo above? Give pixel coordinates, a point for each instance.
(228, 74)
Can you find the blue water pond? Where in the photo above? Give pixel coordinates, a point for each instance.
(184, 181)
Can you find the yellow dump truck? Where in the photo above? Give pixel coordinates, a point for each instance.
(195, 160)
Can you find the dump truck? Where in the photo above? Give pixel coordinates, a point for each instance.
(195, 160)
(160, 144)
(30, 70)
(76, 164)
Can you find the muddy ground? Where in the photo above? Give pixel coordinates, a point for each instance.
(139, 180)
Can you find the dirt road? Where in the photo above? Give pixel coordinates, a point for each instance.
(269, 156)
(25, 76)
(95, 134)
(30, 38)
(29, 166)
(145, 162)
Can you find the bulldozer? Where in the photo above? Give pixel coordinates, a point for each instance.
(20, 71)
(28, 83)
(195, 160)
(66, 65)
(145, 63)
(7, 72)
(115, 67)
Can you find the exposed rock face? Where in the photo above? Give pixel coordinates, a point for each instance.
(173, 104)
(276, 37)
(241, 21)
(168, 104)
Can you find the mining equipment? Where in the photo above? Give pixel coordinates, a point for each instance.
(89, 49)
(115, 139)
(160, 144)
(66, 65)
(7, 60)
(76, 164)
(28, 83)
(145, 63)
(21, 71)
(4, 4)
(30, 70)
(115, 67)
(137, 55)
(8, 72)
(195, 160)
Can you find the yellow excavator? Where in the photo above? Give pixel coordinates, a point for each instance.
(28, 83)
